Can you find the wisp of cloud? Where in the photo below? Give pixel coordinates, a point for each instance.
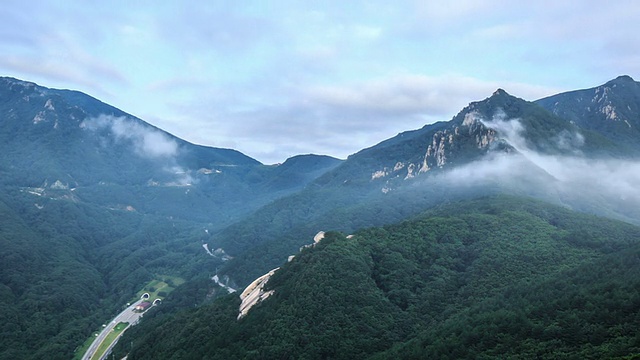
(603, 185)
(147, 142)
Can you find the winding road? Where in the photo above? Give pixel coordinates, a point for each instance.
(127, 315)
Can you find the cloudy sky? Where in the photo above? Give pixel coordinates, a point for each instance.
(284, 77)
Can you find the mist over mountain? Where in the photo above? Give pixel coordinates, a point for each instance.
(501, 144)
(466, 280)
(109, 157)
(96, 202)
(66, 134)
(561, 176)
(494, 277)
(610, 109)
(530, 150)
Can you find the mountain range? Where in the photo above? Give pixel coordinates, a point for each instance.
(96, 202)
(501, 144)
(497, 277)
(59, 139)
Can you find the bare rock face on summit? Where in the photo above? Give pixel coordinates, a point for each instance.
(610, 109)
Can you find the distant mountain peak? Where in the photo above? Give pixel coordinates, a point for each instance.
(610, 109)
(10, 80)
(622, 78)
(26, 88)
(500, 92)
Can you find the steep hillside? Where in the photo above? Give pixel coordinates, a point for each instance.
(610, 109)
(589, 312)
(55, 139)
(97, 202)
(72, 137)
(481, 127)
(472, 270)
(94, 203)
(501, 144)
(67, 267)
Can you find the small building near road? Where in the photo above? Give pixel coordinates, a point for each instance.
(142, 306)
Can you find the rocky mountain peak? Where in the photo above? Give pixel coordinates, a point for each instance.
(500, 92)
(463, 139)
(620, 84)
(610, 109)
(621, 80)
(10, 82)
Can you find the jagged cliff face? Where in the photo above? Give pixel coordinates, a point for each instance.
(444, 147)
(617, 101)
(467, 137)
(610, 109)
(590, 122)
(501, 144)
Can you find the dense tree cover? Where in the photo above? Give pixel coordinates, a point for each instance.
(590, 312)
(64, 242)
(89, 211)
(348, 198)
(495, 277)
(264, 239)
(67, 267)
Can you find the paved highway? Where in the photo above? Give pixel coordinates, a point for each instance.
(128, 316)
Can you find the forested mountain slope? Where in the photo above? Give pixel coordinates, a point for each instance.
(61, 139)
(67, 267)
(94, 203)
(502, 144)
(610, 109)
(497, 277)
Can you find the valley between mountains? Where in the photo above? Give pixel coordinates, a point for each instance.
(509, 231)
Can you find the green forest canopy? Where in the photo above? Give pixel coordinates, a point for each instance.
(495, 277)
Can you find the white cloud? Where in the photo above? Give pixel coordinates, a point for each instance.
(147, 142)
(581, 182)
(414, 93)
(280, 122)
(242, 74)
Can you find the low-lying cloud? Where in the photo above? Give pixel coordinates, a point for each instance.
(337, 120)
(604, 185)
(147, 142)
